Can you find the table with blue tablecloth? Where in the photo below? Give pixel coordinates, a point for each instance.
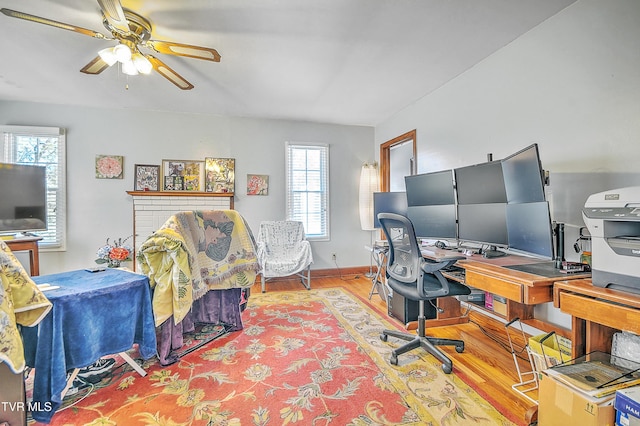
(94, 314)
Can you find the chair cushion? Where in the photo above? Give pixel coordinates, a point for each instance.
(431, 284)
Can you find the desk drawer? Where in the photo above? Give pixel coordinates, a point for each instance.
(494, 285)
(601, 312)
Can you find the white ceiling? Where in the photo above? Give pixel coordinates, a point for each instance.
(332, 61)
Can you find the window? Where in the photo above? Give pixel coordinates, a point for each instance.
(43, 146)
(308, 188)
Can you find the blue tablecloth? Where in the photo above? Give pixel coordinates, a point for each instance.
(93, 315)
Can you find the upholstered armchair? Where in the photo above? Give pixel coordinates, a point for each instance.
(283, 250)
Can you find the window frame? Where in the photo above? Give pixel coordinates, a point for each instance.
(291, 214)
(59, 240)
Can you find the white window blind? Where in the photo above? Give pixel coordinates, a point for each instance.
(43, 146)
(308, 188)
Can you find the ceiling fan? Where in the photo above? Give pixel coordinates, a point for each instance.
(133, 33)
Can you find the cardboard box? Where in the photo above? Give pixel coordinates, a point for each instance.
(624, 419)
(627, 405)
(560, 405)
(500, 305)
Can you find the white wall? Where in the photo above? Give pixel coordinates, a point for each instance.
(100, 208)
(572, 85)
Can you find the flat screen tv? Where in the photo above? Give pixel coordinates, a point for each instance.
(430, 189)
(388, 202)
(524, 176)
(529, 228)
(483, 223)
(23, 198)
(480, 184)
(434, 221)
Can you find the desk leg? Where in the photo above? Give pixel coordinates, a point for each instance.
(578, 337)
(133, 364)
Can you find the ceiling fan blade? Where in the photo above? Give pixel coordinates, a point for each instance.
(112, 10)
(96, 66)
(187, 50)
(62, 25)
(169, 74)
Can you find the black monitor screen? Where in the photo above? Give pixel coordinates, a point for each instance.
(433, 221)
(529, 228)
(430, 189)
(481, 184)
(483, 223)
(23, 198)
(523, 176)
(388, 202)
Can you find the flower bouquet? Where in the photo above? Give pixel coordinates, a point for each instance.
(114, 253)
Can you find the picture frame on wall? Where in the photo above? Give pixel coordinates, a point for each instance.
(220, 174)
(147, 177)
(257, 184)
(109, 166)
(183, 175)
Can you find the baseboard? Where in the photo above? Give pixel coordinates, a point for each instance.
(350, 272)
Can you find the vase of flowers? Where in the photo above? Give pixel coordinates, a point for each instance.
(114, 253)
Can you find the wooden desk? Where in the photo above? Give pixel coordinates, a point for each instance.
(30, 244)
(596, 314)
(523, 290)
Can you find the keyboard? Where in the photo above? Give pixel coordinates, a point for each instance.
(455, 273)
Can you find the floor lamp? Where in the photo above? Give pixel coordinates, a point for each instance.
(369, 183)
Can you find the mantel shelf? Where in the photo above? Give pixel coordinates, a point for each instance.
(179, 194)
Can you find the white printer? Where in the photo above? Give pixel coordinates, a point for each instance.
(613, 220)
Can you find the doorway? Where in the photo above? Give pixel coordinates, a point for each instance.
(397, 160)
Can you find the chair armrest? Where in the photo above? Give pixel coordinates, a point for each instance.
(444, 262)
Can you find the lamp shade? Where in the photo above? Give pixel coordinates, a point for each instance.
(369, 183)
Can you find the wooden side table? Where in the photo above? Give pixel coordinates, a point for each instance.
(28, 244)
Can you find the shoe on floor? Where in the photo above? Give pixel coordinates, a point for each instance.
(76, 386)
(98, 368)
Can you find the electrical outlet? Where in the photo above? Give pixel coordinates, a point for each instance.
(333, 256)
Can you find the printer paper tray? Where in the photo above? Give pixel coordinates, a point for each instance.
(625, 245)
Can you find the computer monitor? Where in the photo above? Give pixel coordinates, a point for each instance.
(430, 189)
(483, 223)
(529, 228)
(388, 202)
(433, 221)
(480, 184)
(523, 176)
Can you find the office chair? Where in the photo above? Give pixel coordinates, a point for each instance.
(415, 278)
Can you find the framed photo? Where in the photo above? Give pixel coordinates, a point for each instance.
(221, 174)
(109, 166)
(183, 175)
(257, 184)
(147, 177)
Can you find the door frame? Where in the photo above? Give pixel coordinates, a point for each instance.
(385, 157)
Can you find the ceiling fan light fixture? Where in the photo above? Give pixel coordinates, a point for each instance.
(122, 52)
(129, 68)
(108, 56)
(142, 64)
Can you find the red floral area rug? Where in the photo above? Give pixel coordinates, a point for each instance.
(304, 358)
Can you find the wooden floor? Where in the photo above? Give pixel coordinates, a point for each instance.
(487, 358)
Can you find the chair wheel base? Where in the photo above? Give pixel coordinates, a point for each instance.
(393, 359)
(384, 337)
(460, 348)
(447, 368)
